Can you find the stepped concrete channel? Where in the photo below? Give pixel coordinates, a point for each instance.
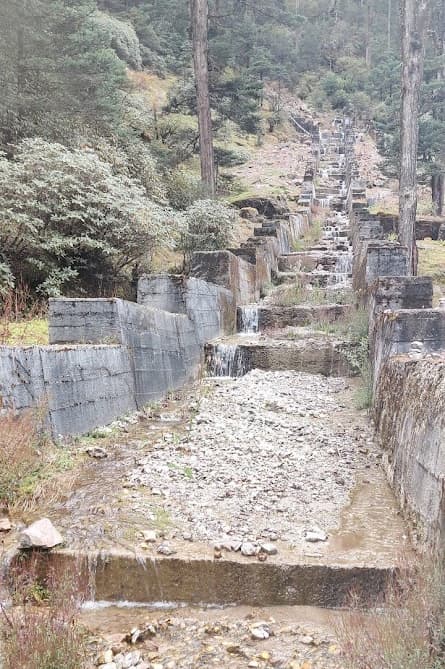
(231, 520)
(254, 500)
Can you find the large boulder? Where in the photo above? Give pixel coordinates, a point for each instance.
(270, 207)
(41, 534)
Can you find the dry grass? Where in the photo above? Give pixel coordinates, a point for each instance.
(22, 320)
(41, 630)
(29, 461)
(407, 630)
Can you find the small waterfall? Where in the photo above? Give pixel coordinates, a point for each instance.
(226, 360)
(342, 271)
(248, 319)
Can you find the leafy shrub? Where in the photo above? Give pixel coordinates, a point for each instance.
(183, 188)
(69, 223)
(43, 631)
(122, 38)
(229, 157)
(208, 227)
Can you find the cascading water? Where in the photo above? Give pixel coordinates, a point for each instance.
(226, 360)
(248, 319)
(342, 271)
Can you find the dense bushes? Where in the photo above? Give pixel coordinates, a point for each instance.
(122, 38)
(208, 227)
(70, 223)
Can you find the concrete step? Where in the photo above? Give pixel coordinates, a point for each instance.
(272, 317)
(302, 351)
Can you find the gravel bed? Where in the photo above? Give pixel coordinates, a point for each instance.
(271, 455)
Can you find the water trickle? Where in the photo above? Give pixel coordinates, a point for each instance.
(249, 319)
(342, 271)
(226, 360)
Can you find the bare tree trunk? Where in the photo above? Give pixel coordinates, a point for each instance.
(437, 192)
(389, 22)
(369, 21)
(413, 26)
(199, 16)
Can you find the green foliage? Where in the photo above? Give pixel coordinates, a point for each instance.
(57, 74)
(69, 223)
(230, 156)
(122, 38)
(208, 227)
(183, 189)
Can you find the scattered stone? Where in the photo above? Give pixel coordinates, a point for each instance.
(269, 549)
(5, 525)
(166, 549)
(306, 640)
(150, 536)
(248, 549)
(260, 632)
(105, 657)
(315, 535)
(97, 452)
(41, 534)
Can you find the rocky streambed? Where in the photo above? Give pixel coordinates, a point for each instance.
(268, 456)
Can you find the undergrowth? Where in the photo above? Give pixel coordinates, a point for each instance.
(42, 630)
(28, 459)
(22, 319)
(406, 630)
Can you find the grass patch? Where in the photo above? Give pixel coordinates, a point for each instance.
(300, 294)
(42, 630)
(29, 460)
(432, 261)
(25, 332)
(310, 237)
(406, 630)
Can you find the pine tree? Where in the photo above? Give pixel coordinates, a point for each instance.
(56, 71)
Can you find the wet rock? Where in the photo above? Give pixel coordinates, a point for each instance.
(41, 534)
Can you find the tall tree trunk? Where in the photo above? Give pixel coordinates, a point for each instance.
(413, 26)
(369, 22)
(389, 25)
(437, 191)
(199, 16)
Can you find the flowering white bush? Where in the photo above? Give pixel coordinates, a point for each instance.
(69, 223)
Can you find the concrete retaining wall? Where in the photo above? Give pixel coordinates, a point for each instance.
(82, 386)
(410, 422)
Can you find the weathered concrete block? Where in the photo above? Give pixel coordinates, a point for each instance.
(81, 386)
(395, 331)
(225, 269)
(399, 292)
(410, 421)
(211, 308)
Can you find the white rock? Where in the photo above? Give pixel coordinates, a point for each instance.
(166, 549)
(5, 525)
(41, 534)
(260, 633)
(248, 549)
(270, 549)
(109, 665)
(315, 534)
(104, 658)
(149, 536)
